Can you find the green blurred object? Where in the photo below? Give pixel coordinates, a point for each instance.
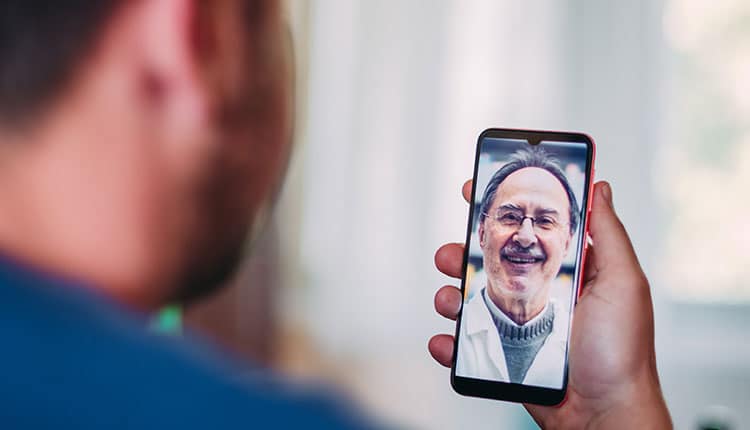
(168, 320)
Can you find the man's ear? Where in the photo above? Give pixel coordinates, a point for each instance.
(170, 70)
(568, 239)
(480, 232)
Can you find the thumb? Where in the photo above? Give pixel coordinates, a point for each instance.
(614, 251)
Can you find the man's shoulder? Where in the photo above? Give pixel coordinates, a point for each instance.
(560, 324)
(72, 359)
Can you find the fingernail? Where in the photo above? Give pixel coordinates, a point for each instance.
(607, 193)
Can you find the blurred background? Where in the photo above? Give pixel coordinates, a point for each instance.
(391, 98)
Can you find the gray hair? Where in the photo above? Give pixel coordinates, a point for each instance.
(530, 157)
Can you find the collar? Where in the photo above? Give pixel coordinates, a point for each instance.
(499, 314)
(476, 317)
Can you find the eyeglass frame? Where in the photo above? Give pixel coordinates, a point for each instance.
(524, 217)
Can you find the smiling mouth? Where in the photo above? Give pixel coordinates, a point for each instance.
(522, 259)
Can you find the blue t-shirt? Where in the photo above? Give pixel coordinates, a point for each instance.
(70, 358)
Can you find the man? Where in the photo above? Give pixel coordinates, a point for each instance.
(511, 331)
(139, 140)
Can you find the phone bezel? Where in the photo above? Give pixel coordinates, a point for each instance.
(505, 390)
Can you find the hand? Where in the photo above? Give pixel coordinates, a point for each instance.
(613, 381)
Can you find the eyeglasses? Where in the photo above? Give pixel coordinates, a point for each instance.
(511, 219)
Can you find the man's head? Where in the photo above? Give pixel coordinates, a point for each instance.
(140, 139)
(528, 216)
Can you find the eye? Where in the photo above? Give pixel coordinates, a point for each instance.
(510, 218)
(545, 222)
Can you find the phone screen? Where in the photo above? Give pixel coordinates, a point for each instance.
(523, 264)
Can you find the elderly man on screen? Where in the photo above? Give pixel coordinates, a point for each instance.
(511, 330)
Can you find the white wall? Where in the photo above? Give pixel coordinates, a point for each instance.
(398, 92)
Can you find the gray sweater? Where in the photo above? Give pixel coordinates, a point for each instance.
(520, 343)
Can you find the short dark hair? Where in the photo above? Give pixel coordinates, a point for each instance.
(42, 42)
(534, 156)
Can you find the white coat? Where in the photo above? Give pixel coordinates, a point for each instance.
(480, 352)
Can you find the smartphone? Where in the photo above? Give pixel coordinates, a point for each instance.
(523, 264)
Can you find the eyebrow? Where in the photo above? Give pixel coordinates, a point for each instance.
(511, 207)
(542, 211)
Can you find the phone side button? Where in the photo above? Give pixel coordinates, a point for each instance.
(584, 257)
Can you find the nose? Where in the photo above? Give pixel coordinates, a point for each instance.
(525, 236)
